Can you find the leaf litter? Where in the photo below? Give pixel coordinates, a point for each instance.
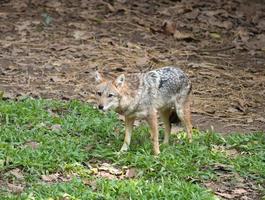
(13, 181)
(115, 36)
(31, 144)
(230, 185)
(89, 172)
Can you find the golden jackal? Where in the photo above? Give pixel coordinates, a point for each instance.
(160, 91)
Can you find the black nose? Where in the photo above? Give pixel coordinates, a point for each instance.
(100, 107)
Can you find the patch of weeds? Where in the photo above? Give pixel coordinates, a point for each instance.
(251, 158)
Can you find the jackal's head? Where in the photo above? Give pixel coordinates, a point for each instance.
(109, 92)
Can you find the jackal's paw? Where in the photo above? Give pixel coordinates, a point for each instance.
(124, 147)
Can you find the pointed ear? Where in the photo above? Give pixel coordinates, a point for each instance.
(119, 82)
(98, 77)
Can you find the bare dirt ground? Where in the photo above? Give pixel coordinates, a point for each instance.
(50, 48)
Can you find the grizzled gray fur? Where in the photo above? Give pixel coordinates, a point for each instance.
(146, 95)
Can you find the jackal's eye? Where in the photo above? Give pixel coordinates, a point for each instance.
(110, 95)
(99, 93)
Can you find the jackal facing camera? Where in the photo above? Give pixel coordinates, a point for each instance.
(147, 96)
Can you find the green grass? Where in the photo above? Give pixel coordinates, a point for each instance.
(70, 134)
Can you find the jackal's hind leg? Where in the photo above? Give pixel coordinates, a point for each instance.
(128, 133)
(165, 115)
(184, 114)
(153, 123)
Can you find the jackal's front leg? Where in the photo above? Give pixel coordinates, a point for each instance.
(128, 133)
(152, 121)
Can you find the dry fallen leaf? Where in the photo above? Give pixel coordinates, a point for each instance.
(15, 188)
(222, 167)
(121, 117)
(132, 45)
(243, 34)
(231, 152)
(94, 170)
(225, 195)
(141, 61)
(56, 79)
(32, 144)
(109, 168)
(8, 95)
(261, 24)
(56, 127)
(89, 147)
(19, 5)
(215, 35)
(93, 184)
(257, 43)
(169, 27)
(232, 110)
(182, 36)
(262, 119)
(107, 175)
(81, 35)
(130, 173)
(53, 4)
(110, 7)
(66, 178)
(17, 173)
(239, 191)
(50, 177)
(23, 26)
(250, 120)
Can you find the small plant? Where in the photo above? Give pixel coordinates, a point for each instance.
(47, 19)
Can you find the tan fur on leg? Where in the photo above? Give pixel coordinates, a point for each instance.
(153, 123)
(187, 119)
(184, 114)
(128, 133)
(165, 115)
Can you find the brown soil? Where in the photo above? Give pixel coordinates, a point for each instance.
(50, 48)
